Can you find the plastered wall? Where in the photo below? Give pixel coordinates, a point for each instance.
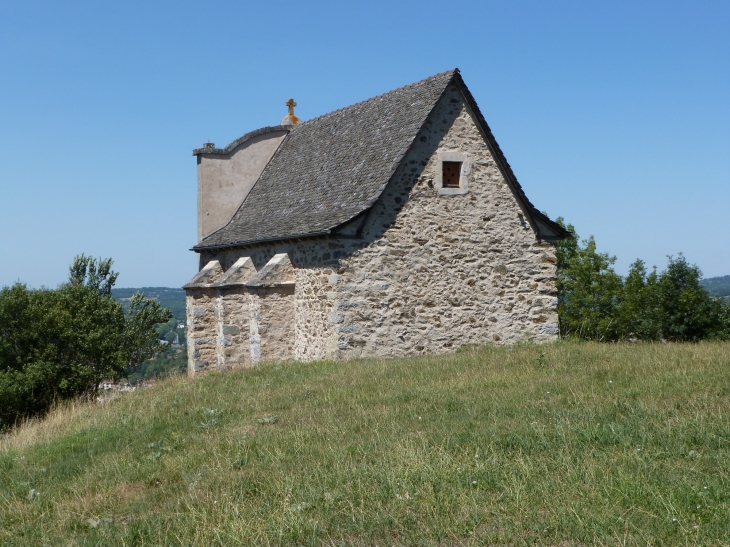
(225, 180)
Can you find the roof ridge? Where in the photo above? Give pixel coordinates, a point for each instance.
(271, 128)
(453, 71)
(293, 201)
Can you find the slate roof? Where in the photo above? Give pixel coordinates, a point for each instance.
(332, 168)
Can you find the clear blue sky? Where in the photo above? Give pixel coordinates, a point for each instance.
(614, 115)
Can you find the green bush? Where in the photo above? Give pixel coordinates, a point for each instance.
(589, 290)
(595, 303)
(59, 344)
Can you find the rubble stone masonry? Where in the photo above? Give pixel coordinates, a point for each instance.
(428, 271)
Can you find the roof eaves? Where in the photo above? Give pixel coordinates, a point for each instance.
(198, 248)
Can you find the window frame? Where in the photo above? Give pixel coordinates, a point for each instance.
(463, 187)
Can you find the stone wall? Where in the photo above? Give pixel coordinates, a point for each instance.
(430, 272)
(202, 328)
(272, 322)
(233, 328)
(446, 270)
(315, 333)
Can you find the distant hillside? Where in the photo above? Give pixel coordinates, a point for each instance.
(172, 299)
(175, 357)
(718, 286)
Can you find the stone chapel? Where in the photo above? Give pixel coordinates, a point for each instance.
(391, 227)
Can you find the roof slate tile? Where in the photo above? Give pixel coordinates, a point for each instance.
(330, 168)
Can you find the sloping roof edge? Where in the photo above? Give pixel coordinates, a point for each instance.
(199, 248)
(240, 140)
(399, 159)
(535, 217)
(372, 201)
(504, 166)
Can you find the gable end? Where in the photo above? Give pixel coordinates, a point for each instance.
(544, 227)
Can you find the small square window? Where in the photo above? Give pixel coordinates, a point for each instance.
(451, 171)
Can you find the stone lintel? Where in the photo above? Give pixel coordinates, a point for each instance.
(277, 272)
(238, 274)
(206, 277)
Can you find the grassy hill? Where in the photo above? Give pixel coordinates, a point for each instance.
(561, 444)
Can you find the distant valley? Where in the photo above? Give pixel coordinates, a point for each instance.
(718, 287)
(172, 299)
(172, 334)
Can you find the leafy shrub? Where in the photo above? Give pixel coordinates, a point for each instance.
(596, 303)
(59, 344)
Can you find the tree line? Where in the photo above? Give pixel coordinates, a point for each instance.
(596, 303)
(61, 343)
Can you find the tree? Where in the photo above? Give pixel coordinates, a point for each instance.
(92, 273)
(686, 310)
(28, 369)
(140, 336)
(596, 303)
(589, 289)
(59, 344)
(638, 312)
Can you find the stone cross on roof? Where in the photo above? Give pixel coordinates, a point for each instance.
(291, 104)
(290, 119)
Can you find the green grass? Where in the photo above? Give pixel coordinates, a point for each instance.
(563, 444)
